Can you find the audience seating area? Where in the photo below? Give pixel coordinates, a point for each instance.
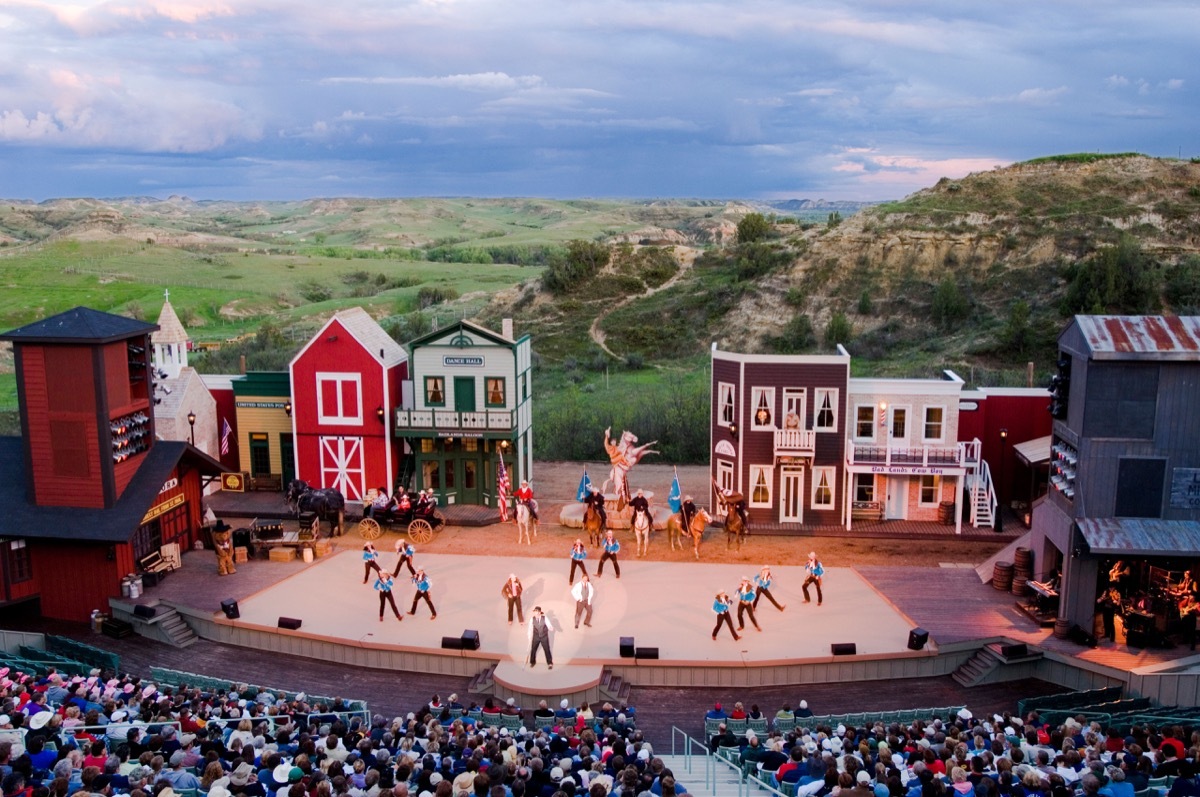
(739, 727)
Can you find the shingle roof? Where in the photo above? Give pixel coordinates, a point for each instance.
(79, 325)
(373, 338)
(170, 328)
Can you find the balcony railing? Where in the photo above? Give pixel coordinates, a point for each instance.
(957, 455)
(451, 420)
(795, 443)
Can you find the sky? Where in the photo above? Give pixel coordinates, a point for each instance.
(724, 99)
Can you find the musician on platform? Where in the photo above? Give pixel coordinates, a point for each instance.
(1118, 577)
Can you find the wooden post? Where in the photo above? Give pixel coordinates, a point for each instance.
(1029, 374)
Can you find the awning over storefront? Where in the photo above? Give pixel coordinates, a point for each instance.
(1141, 536)
(1034, 452)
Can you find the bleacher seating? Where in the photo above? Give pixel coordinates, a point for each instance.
(1065, 700)
(80, 651)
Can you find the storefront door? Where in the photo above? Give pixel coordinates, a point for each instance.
(791, 505)
(896, 507)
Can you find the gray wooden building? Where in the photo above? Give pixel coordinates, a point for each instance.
(1125, 464)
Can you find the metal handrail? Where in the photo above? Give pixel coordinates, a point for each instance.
(710, 778)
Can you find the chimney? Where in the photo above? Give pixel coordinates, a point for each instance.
(242, 364)
(506, 329)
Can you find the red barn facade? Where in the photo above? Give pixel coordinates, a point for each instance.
(345, 385)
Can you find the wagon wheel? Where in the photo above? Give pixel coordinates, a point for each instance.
(368, 529)
(420, 531)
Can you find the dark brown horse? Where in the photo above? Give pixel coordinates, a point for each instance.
(735, 527)
(328, 503)
(591, 524)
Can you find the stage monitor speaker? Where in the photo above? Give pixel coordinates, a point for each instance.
(230, 607)
(452, 643)
(1133, 638)
(627, 649)
(291, 623)
(1082, 637)
(646, 653)
(917, 638)
(843, 649)
(470, 640)
(1017, 650)
(145, 612)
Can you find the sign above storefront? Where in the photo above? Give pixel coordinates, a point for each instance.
(473, 435)
(262, 405)
(912, 470)
(462, 362)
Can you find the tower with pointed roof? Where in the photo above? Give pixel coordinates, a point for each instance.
(170, 342)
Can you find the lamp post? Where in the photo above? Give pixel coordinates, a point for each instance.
(192, 424)
(1000, 492)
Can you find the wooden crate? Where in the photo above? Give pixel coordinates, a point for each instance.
(241, 554)
(323, 548)
(282, 554)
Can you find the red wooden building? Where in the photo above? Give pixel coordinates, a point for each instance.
(88, 491)
(345, 386)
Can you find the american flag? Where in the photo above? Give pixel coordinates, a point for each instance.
(503, 485)
(226, 433)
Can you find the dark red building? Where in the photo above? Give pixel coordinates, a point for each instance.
(88, 491)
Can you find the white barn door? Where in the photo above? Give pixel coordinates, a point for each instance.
(342, 466)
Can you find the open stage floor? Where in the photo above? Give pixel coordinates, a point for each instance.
(660, 604)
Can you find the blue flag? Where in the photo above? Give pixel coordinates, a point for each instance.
(585, 487)
(675, 497)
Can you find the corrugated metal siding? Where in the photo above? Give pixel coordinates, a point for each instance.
(1147, 536)
(1153, 336)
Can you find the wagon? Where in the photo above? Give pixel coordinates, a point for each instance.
(420, 527)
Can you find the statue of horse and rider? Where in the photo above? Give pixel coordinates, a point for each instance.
(623, 454)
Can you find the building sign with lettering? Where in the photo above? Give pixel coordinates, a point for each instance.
(169, 484)
(1185, 488)
(911, 470)
(262, 405)
(462, 362)
(165, 506)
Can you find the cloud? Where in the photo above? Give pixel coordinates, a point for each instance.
(480, 81)
(1040, 96)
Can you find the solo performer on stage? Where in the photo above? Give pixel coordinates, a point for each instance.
(541, 634)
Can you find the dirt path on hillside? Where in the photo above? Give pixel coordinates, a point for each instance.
(686, 256)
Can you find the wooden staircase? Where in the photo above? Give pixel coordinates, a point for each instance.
(176, 630)
(482, 682)
(614, 688)
(982, 496)
(987, 664)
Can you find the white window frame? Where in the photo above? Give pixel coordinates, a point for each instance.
(870, 479)
(767, 475)
(937, 490)
(337, 415)
(870, 408)
(794, 399)
(726, 396)
(925, 438)
(891, 427)
(725, 471)
(818, 394)
(759, 395)
(830, 475)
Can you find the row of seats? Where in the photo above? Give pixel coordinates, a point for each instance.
(81, 651)
(1068, 700)
(176, 678)
(62, 663)
(857, 720)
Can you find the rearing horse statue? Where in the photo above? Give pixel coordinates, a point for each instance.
(623, 455)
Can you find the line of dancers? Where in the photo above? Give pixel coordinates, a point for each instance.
(385, 581)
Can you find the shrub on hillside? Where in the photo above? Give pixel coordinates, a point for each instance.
(1182, 287)
(949, 306)
(582, 261)
(838, 330)
(752, 227)
(1117, 279)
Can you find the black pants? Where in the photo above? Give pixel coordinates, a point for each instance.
(386, 597)
(367, 569)
(404, 560)
(746, 607)
(544, 644)
(574, 564)
(813, 580)
(760, 591)
(515, 602)
(425, 596)
(724, 617)
(616, 564)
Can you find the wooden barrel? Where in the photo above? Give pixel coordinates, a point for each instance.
(1062, 628)
(1002, 575)
(1023, 559)
(1019, 585)
(946, 513)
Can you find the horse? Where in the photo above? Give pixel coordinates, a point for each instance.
(623, 455)
(642, 524)
(675, 529)
(525, 522)
(328, 503)
(591, 524)
(735, 528)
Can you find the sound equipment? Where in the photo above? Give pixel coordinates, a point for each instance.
(1134, 638)
(290, 623)
(843, 649)
(117, 629)
(917, 638)
(646, 653)
(143, 611)
(230, 608)
(452, 643)
(627, 650)
(1082, 637)
(1015, 651)
(470, 640)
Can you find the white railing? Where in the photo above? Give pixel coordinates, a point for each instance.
(451, 420)
(982, 484)
(952, 456)
(795, 440)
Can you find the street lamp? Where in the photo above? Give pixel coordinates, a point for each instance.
(1000, 492)
(192, 424)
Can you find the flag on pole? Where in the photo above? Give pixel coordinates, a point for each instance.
(585, 487)
(226, 433)
(503, 485)
(675, 497)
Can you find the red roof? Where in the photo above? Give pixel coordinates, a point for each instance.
(1177, 337)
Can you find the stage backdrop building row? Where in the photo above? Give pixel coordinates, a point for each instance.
(89, 491)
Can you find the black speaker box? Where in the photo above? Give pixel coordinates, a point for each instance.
(843, 649)
(646, 653)
(1017, 650)
(152, 579)
(117, 629)
(627, 649)
(917, 638)
(291, 623)
(470, 640)
(1082, 637)
(230, 607)
(452, 643)
(145, 612)
(1134, 639)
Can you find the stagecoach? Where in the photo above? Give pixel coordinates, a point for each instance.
(420, 527)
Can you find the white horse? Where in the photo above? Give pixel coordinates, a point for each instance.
(642, 524)
(623, 455)
(525, 522)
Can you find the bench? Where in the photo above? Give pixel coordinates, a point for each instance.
(866, 510)
(272, 482)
